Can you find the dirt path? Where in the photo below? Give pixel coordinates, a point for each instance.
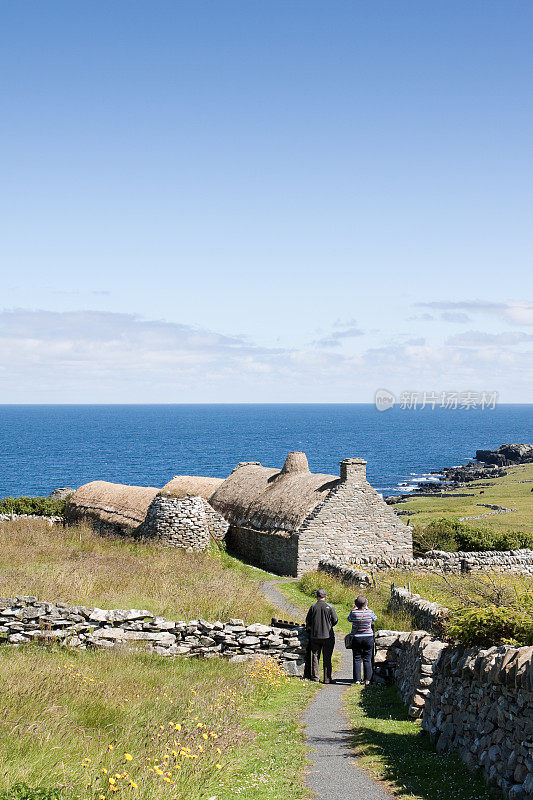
(333, 774)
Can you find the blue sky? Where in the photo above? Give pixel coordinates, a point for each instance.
(250, 201)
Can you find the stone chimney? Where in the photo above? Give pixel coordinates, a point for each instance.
(353, 470)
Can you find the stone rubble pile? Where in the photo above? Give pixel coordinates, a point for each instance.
(24, 619)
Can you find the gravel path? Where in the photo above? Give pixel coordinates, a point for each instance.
(333, 774)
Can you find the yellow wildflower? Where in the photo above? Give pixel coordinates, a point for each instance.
(128, 757)
(133, 784)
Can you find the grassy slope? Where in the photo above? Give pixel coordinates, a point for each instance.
(75, 565)
(60, 711)
(507, 491)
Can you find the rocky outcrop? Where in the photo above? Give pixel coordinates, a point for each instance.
(25, 619)
(63, 493)
(507, 455)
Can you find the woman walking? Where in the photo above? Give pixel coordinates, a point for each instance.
(362, 619)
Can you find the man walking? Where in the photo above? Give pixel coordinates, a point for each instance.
(319, 622)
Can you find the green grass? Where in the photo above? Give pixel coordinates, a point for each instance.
(72, 720)
(507, 491)
(393, 749)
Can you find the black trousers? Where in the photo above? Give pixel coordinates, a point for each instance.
(325, 648)
(362, 647)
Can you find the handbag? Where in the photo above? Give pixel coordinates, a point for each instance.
(348, 641)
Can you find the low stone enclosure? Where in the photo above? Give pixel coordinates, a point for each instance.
(25, 619)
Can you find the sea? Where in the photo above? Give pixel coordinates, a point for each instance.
(43, 447)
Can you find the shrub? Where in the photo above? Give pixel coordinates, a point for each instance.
(452, 535)
(493, 625)
(39, 506)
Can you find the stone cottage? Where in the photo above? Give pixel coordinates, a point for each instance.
(178, 515)
(288, 520)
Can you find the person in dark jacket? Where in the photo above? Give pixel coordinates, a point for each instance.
(320, 620)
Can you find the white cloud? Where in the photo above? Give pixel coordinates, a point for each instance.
(480, 339)
(519, 312)
(336, 337)
(91, 356)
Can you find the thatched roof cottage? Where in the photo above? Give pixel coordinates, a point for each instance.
(179, 514)
(113, 506)
(288, 520)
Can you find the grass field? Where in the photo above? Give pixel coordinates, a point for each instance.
(100, 725)
(77, 566)
(511, 491)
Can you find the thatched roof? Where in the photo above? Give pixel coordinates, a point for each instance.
(112, 503)
(272, 499)
(182, 485)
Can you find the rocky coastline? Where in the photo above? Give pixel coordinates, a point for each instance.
(488, 464)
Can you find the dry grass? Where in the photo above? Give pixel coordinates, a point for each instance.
(77, 566)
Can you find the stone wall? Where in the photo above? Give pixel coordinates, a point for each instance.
(24, 619)
(350, 575)
(52, 520)
(428, 616)
(477, 702)
(518, 562)
(408, 658)
(275, 551)
(481, 705)
(188, 522)
(352, 521)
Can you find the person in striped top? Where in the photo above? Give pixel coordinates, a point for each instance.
(362, 619)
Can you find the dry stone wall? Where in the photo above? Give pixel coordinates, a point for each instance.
(518, 562)
(25, 619)
(428, 616)
(408, 659)
(187, 522)
(477, 702)
(481, 705)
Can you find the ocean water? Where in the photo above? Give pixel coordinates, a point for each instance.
(43, 447)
